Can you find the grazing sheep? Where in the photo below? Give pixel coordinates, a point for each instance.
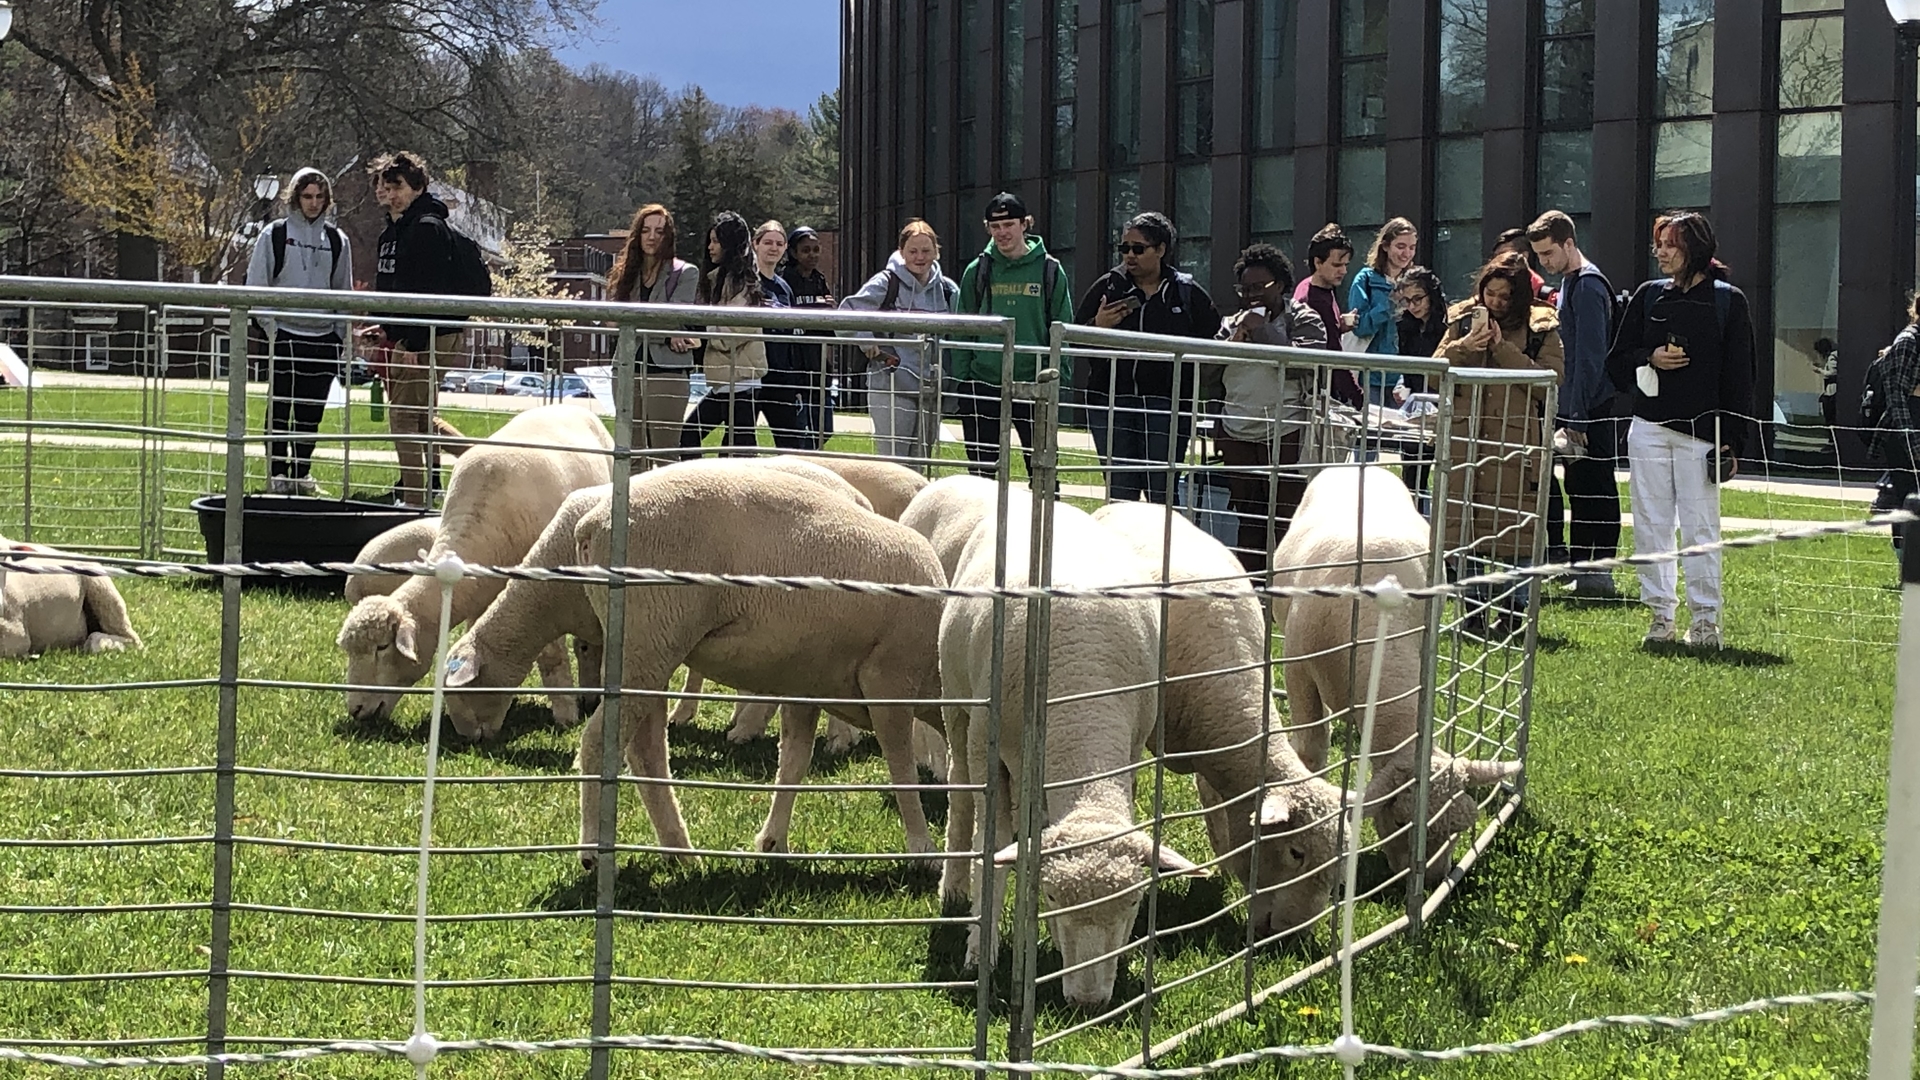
(402, 543)
(524, 623)
(1297, 821)
(498, 501)
(58, 611)
(1094, 645)
(1356, 526)
(737, 518)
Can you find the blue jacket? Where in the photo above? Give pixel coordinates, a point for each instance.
(1586, 331)
(1371, 301)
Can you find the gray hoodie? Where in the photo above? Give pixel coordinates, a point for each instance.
(936, 296)
(309, 263)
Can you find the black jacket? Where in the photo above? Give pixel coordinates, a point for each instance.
(809, 291)
(781, 369)
(1181, 308)
(1718, 379)
(416, 256)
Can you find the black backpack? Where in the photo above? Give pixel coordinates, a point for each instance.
(983, 282)
(469, 276)
(277, 236)
(1873, 396)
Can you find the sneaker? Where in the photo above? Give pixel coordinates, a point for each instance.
(279, 485)
(305, 485)
(1704, 634)
(1597, 585)
(1661, 632)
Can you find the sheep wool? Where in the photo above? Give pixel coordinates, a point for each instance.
(58, 611)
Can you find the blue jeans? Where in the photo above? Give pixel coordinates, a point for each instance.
(1132, 430)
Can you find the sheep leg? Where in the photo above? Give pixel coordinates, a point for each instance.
(930, 749)
(955, 884)
(14, 641)
(841, 735)
(989, 896)
(1311, 733)
(687, 708)
(556, 675)
(750, 719)
(589, 760)
(893, 727)
(646, 747)
(797, 726)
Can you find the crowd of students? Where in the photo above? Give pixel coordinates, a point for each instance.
(1662, 377)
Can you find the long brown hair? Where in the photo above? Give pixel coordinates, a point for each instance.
(627, 269)
(1391, 231)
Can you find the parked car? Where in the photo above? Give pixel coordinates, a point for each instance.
(487, 382)
(524, 384)
(573, 386)
(455, 382)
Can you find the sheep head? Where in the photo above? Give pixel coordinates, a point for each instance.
(1103, 875)
(1297, 827)
(1450, 808)
(380, 638)
(477, 716)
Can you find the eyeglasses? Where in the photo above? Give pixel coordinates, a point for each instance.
(1132, 249)
(1413, 298)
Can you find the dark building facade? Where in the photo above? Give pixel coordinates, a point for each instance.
(1264, 119)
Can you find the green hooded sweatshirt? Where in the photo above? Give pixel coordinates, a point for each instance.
(1017, 285)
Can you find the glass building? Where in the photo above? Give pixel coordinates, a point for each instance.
(1264, 119)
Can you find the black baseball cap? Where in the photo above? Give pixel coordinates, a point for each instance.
(1006, 206)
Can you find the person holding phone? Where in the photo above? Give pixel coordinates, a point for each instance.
(1498, 446)
(1685, 349)
(1136, 406)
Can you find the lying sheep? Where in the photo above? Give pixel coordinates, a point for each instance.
(498, 501)
(1365, 517)
(736, 518)
(58, 611)
(1297, 822)
(402, 543)
(1094, 645)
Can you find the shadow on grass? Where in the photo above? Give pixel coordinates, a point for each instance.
(1546, 874)
(523, 718)
(698, 751)
(1720, 657)
(740, 887)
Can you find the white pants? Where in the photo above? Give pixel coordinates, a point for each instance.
(1671, 486)
(893, 401)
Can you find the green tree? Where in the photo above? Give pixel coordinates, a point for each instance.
(816, 166)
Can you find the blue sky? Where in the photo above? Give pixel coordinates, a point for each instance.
(742, 52)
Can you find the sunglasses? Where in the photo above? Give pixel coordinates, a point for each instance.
(1132, 249)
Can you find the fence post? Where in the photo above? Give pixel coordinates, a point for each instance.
(606, 869)
(221, 940)
(1897, 966)
(1430, 655)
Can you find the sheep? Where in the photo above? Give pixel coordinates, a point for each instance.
(1297, 821)
(498, 501)
(402, 543)
(1095, 645)
(888, 485)
(1365, 517)
(947, 510)
(58, 611)
(735, 518)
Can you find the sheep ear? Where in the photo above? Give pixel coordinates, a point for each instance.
(1172, 862)
(1274, 812)
(461, 671)
(1006, 856)
(403, 641)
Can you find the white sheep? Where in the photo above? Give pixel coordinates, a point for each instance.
(734, 518)
(947, 511)
(1356, 526)
(888, 485)
(499, 499)
(1297, 821)
(402, 543)
(58, 611)
(1093, 857)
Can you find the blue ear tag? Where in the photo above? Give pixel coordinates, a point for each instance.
(455, 663)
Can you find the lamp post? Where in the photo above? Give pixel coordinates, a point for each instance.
(6, 18)
(1906, 20)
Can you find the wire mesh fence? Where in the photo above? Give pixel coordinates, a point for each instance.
(266, 898)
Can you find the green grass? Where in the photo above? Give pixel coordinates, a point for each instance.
(1698, 831)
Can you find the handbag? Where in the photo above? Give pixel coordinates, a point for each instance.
(1352, 342)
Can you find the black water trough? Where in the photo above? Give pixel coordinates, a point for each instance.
(299, 528)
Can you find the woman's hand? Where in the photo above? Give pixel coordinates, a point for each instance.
(1733, 463)
(1250, 321)
(1110, 314)
(1668, 358)
(1349, 319)
(682, 344)
(1484, 338)
(871, 350)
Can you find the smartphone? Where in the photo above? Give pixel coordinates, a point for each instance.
(1677, 342)
(1131, 303)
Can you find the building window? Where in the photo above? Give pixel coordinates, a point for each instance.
(1066, 81)
(1013, 63)
(1458, 186)
(1193, 218)
(966, 147)
(1273, 75)
(933, 28)
(1193, 79)
(1062, 231)
(1683, 59)
(1272, 186)
(1363, 69)
(1123, 84)
(1123, 201)
(1806, 214)
(1463, 66)
(1564, 148)
(1362, 206)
